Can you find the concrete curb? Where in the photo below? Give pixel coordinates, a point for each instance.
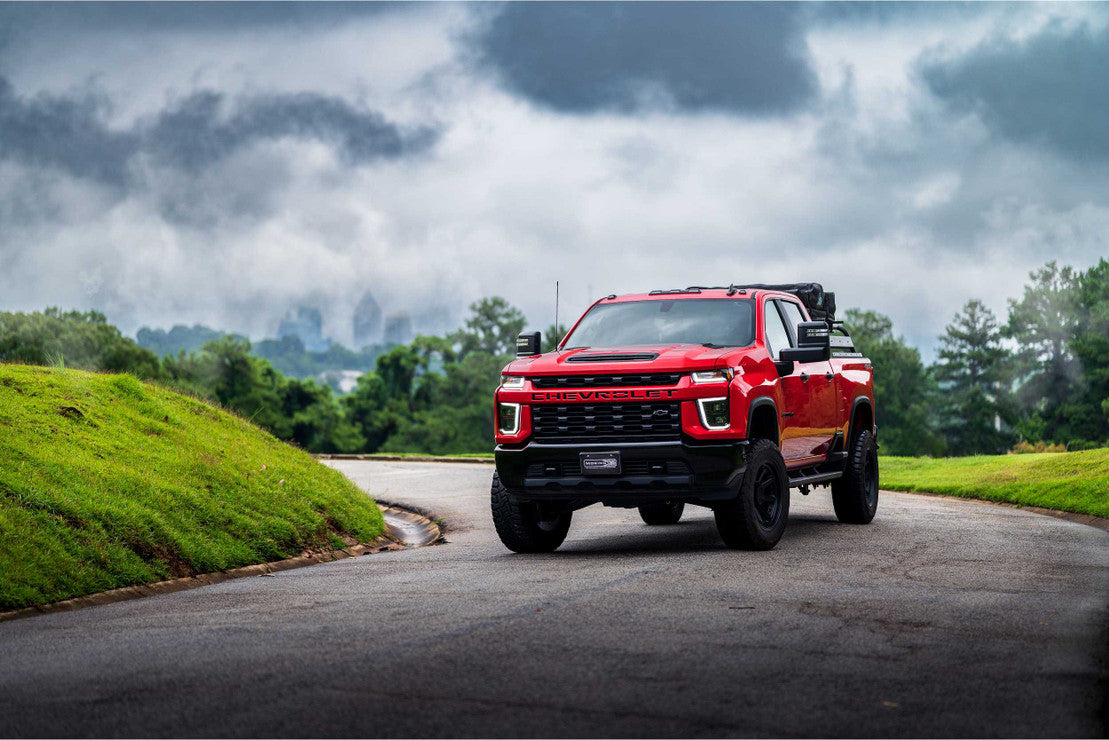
(1098, 522)
(407, 458)
(404, 529)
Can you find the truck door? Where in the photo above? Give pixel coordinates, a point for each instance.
(822, 401)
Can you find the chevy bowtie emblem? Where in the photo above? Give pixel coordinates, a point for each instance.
(660, 412)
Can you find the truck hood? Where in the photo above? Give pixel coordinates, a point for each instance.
(635, 359)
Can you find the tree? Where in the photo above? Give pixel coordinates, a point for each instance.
(1043, 323)
(1091, 347)
(905, 393)
(74, 339)
(972, 372)
(492, 328)
(299, 411)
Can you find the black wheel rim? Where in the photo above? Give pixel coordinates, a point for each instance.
(870, 475)
(768, 497)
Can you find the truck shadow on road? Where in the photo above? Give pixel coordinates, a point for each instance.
(690, 535)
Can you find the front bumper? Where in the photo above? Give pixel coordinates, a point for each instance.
(686, 470)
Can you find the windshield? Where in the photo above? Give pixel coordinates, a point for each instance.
(711, 322)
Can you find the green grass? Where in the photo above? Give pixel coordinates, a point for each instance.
(1069, 481)
(106, 482)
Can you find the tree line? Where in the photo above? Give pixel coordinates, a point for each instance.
(1039, 376)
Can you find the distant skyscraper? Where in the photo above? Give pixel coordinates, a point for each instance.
(398, 328)
(306, 324)
(367, 321)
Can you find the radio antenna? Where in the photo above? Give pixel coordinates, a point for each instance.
(556, 337)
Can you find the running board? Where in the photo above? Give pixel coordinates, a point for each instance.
(830, 469)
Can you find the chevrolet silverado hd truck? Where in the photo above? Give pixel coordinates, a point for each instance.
(724, 397)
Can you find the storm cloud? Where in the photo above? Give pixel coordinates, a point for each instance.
(579, 57)
(1050, 89)
(69, 133)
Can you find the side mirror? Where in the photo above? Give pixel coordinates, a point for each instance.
(813, 343)
(813, 334)
(528, 344)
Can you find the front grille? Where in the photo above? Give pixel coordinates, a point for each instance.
(632, 422)
(605, 381)
(629, 467)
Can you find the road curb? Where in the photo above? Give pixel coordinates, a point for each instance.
(407, 458)
(404, 529)
(1090, 520)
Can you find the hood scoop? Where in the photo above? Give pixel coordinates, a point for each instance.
(622, 357)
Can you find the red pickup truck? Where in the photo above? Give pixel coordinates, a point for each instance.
(724, 397)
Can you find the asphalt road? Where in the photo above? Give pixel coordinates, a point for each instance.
(943, 617)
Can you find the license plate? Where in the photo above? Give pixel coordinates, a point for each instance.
(600, 463)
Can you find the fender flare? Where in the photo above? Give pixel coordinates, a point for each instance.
(758, 403)
(860, 401)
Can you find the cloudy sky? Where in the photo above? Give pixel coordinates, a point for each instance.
(218, 164)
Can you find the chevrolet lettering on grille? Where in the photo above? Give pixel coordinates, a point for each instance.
(600, 395)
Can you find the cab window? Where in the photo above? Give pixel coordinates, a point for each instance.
(776, 336)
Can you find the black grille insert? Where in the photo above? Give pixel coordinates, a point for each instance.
(605, 381)
(636, 422)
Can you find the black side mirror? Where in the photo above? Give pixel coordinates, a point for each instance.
(813, 334)
(813, 343)
(528, 344)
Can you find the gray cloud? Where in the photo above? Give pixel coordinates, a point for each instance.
(1049, 89)
(195, 132)
(582, 57)
(69, 133)
(65, 133)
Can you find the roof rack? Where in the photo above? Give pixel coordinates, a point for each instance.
(732, 289)
(674, 291)
(820, 303)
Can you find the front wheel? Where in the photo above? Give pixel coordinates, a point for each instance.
(855, 495)
(665, 512)
(756, 518)
(525, 526)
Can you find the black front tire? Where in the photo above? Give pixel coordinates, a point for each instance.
(855, 495)
(756, 518)
(665, 512)
(526, 526)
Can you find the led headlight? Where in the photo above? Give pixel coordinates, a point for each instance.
(712, 376)
(512, 382)
(508, 418)
(714, 413)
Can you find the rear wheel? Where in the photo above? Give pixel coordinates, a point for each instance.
(855, 495)
(756, 518)
(525, 526)
(665, 512)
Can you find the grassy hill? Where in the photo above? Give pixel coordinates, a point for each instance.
(106, 481)
(1069, 481)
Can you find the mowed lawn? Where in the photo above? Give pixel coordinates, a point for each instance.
(1069, 481)
(106, 481)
